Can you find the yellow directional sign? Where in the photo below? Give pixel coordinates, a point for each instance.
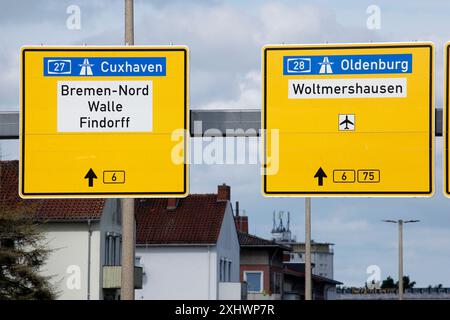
(446, 121)
(348, 120)
(104, 122)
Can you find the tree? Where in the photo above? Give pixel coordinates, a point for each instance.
(388, 283)
(22, 254)
(407, 284)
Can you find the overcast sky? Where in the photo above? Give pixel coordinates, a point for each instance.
(225, 40)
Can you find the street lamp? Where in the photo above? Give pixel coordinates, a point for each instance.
(400, 223)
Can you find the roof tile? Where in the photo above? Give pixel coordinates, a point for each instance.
(45, 209)
(197, 219)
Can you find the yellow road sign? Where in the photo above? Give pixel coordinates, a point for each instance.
(446, 121)
(348, 120)
(104, 122)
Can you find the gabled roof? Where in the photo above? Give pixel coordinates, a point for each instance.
(248, 240)
(196, 220)
(298, 270)
(45, 209)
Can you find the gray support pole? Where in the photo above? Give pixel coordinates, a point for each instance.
(308, 292)
(400, 260)
(129, 23)
(128, 225)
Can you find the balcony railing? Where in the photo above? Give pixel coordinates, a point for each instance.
(112, 277)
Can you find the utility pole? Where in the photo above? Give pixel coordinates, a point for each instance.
(308, 293)
(400, 223)
(128, 224)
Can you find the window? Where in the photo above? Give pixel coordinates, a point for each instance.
(113, 258)
(254, 281)
(225, 265)
(120, 250)
(107, 251)
(229, 271)
(220, 271)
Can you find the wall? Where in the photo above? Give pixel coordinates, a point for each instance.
(178, 272)
(321, 254)
(228, 245)
(254, 256)
(229, 291)
(68, 263)
(323, 262)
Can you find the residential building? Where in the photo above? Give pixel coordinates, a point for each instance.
(322, 254)
(322, 257)
(294, 288)
(188, 248)
(83, 234)
(268, 270)
(262, 267)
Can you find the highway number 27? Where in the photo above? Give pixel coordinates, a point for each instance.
(368, 176)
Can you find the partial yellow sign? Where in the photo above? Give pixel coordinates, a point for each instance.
(348, 120)
(446, 121)
(104, 122)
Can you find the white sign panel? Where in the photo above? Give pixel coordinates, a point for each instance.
(347, 88)
(105, 106)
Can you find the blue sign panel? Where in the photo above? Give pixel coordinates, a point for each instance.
(105, 67)
(353, 64)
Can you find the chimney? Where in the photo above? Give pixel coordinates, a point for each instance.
(223, 192)
(172, 203)
(241, 222)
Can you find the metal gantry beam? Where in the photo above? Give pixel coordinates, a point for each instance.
(9, 125)
(223, 122)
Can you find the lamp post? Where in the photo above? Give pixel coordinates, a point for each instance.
(400, 223)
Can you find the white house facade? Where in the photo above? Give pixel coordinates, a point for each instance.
(80, 249)
(189, 248)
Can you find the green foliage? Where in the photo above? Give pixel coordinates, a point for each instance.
(22, 254)
(407, 284)
(389, 283)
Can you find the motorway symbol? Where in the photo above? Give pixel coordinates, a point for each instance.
(86, 68)
(346, 122)
(320, 174)
(325, 66)
(90, 175)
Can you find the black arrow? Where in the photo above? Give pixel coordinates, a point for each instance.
(91, 176)
(320, 174)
